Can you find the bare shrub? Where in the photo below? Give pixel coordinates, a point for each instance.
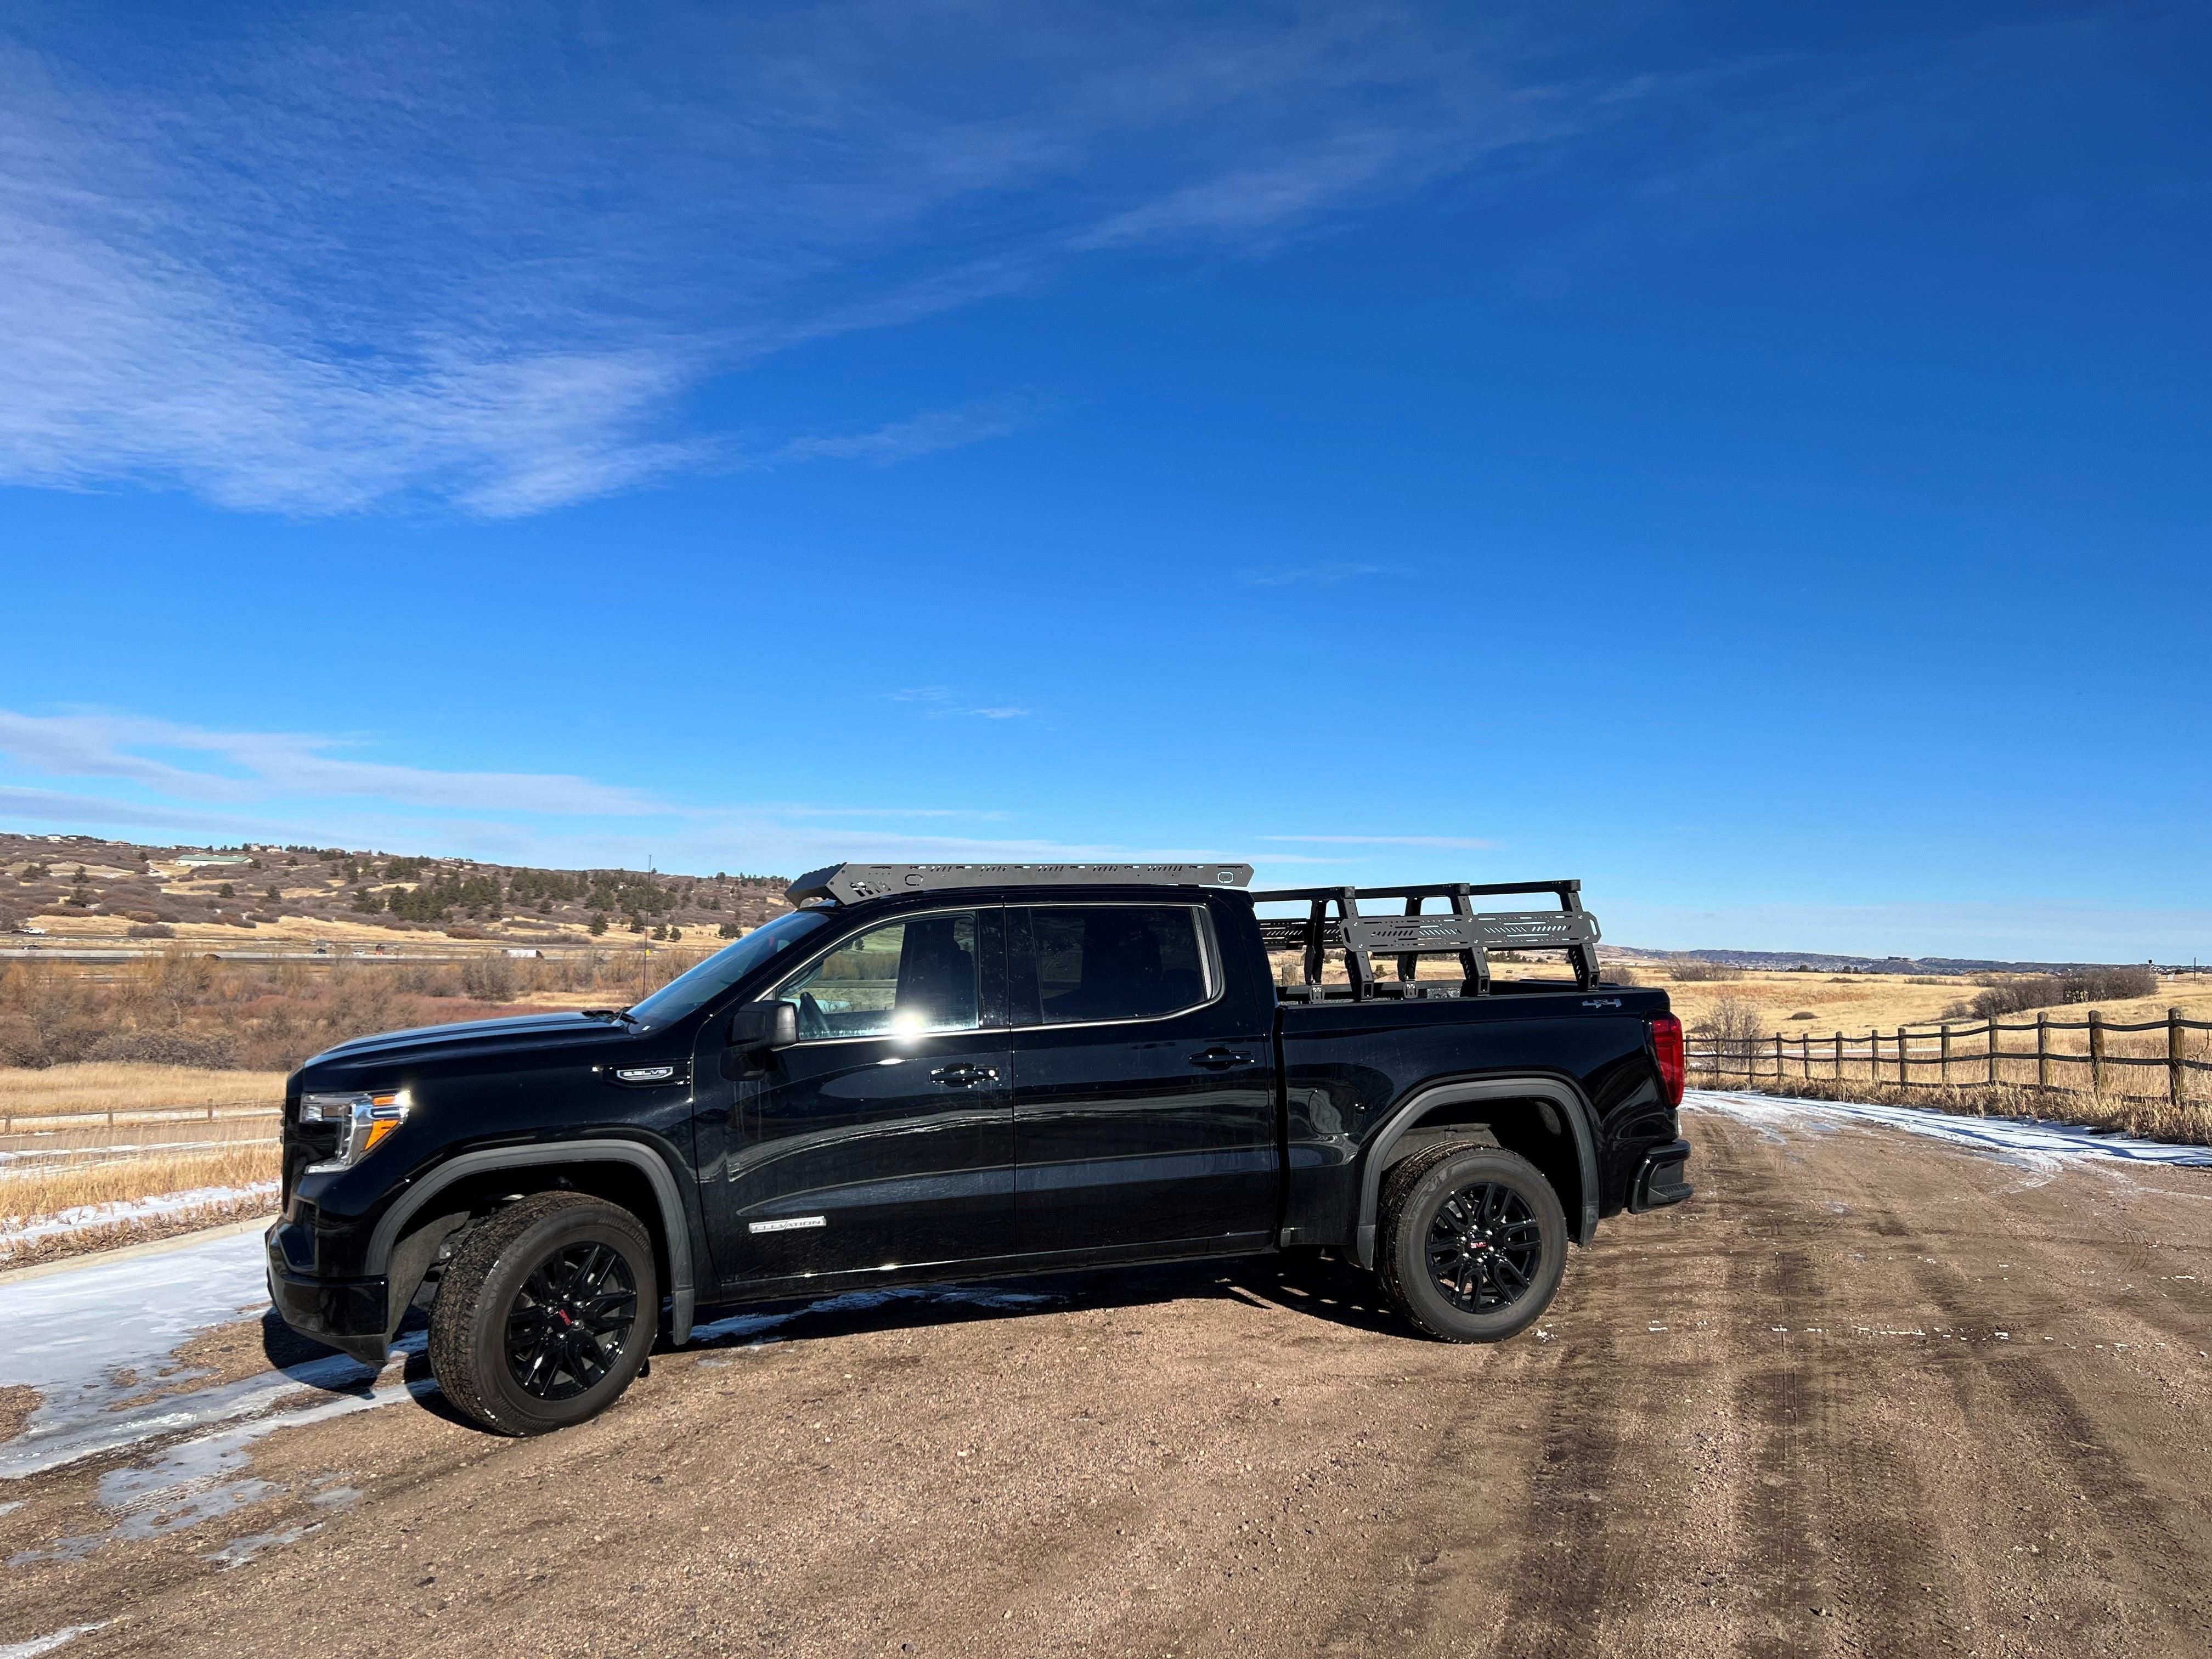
(151, 930)
(488, 979)
(164, 1049)
(1694, 973)
(1729, 1035)
(2026, 991)
(1733, 1019)
(1620, 973)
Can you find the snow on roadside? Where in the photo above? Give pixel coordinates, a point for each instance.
(16, 1231)
(39, 1645)
(90, 1338)
(2019, 1138)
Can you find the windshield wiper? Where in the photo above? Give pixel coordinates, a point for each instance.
(623, 1016)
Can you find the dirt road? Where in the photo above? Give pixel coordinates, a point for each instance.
(1866, 1394)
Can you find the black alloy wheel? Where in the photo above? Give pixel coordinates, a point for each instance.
(565, 1329)
(1484, 1247)
(547, 1311)
(1470, 1241)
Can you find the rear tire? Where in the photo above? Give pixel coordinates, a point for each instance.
(1470, 1242)
(547, 1311)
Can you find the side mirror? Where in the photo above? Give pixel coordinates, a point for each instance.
(764, 1025)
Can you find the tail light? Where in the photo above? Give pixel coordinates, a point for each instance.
(1667, 1049)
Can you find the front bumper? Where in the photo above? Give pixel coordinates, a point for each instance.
(1661, 1178)
(347, 1314)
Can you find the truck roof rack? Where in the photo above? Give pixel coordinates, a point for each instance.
(1459, 931)
(849, 883)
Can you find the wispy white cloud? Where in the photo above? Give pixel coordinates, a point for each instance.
(258, 764)
(316, 263)
(1466, 842)
(901, 441)
(943, 701)
(1332, 570)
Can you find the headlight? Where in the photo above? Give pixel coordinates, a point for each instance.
(363, 1121)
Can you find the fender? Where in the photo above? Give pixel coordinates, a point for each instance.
(1563, 1095)
(674, 1223)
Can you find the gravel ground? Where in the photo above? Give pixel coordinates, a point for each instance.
(1865, 1394)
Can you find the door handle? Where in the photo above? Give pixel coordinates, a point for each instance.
(964, 1076)
(1219, 1059)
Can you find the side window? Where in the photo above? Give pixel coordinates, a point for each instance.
(1118, 961)
(903, 977)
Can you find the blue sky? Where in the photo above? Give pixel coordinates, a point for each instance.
(1752, 458)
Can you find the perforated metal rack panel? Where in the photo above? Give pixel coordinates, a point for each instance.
(1525, 930)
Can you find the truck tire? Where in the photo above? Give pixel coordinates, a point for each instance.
(1470, 1242)
(546, 1312)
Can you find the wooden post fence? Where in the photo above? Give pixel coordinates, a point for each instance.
(1943, 1076)
(2096, 1052)
(2173, 1066)
(1839, 1057)
(1993, 1050)
(2043, 1051)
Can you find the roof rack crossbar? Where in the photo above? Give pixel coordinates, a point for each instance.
(849, 883)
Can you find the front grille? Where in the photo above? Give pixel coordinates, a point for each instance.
(304, 1144)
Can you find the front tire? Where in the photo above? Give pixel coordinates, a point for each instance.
(546, 1313)
(1470, 1242)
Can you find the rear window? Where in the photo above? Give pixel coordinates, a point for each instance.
(1100, 962)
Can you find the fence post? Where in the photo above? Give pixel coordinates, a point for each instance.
(1944, 1075)
(1993, 1050)
(2043, 1051)
(1874, 1055)
(1839, 1057)
(2096, 1052)
(1778, 1059)
(2173, 1066)
(1902, 1078)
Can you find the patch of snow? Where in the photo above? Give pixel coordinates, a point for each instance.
(15, 1230)
(13, 1503)
(190, 1482)
(39, 1645)
(2029, 1139)
(240, 1551)
(87, 1337)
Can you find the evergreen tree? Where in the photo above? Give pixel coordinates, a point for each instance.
(598, 923)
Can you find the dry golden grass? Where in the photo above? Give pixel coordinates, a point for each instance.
(97, 1086)
(49, 1191)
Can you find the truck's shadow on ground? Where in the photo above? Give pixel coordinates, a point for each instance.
(1316, 1288)
(1319, 1289)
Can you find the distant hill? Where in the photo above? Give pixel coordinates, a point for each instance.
(82, 886)
(1815, 962)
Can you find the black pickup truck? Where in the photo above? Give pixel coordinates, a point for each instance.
(929, 1071)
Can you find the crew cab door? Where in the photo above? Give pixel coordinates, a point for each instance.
(1144, 1085)
(884, 1137)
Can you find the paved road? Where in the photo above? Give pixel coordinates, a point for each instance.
(1869, 1393)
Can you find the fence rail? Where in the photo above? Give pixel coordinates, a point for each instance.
(1890, 1058)
(17, 1123)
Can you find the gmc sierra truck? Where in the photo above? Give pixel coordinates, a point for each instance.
(932, 1071)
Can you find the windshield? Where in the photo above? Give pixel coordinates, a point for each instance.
(701, 985)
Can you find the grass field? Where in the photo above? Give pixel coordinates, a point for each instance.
(1856, 1002)
(100, 1086)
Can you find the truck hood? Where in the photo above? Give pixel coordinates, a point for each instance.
(475, 1036)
